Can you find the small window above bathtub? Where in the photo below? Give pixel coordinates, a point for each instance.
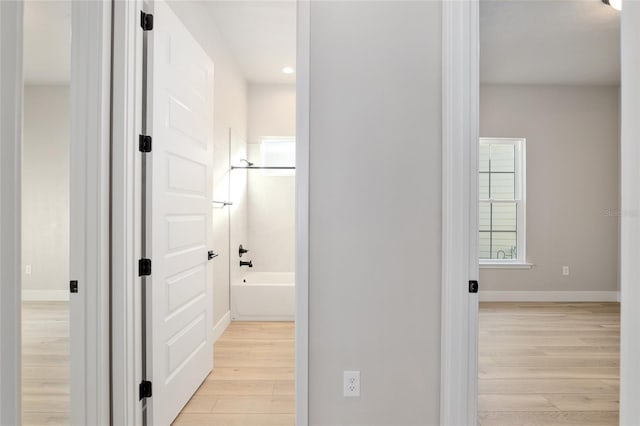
(278, 152)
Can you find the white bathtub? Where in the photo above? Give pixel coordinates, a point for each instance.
(263, 296)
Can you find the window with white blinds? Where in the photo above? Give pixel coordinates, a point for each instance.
(502, 200)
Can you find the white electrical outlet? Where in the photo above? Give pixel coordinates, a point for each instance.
(27, 269)
(351, 383)
(565, 270)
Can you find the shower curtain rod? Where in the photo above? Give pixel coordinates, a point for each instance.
(265, 167)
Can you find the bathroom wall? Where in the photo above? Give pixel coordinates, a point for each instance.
(239, 211)
(45, 193)
(375, 211)
(230, 112)
(271, 199)
(572, 194)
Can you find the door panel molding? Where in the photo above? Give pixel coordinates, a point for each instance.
(178, 185)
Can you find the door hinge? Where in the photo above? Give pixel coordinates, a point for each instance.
(473, 286)
(145, 143)
(73, 286)
(146, 21)
(144, 267)
(145, 389)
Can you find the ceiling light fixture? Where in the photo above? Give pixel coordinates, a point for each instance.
(616, 4)
(288, 70)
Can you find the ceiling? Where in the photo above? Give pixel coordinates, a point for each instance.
(47, 42)
(261, 36)
(521, 41)
(549, 42)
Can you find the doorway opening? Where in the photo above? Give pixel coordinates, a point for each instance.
(549, 213)
(220, 212)
(45, 213)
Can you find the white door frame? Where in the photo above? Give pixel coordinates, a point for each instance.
(10, 200)
(459, 229)
(89, 187)
(630, 218)
(126, 219)
(302, 213)
(460, 131)
(89, 210)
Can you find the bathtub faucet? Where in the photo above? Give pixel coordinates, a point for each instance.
(249, 264)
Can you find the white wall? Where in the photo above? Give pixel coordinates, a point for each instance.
(238, 195)
(45, 193)
(375, 211)
(572, 211)
(230, 112)
(271, 199)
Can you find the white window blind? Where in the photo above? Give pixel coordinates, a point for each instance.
(502, 200)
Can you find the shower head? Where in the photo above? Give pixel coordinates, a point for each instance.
(249, 163)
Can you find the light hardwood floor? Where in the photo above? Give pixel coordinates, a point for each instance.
(252, 383)
(45, 363)
(540, 364)
(549, 364)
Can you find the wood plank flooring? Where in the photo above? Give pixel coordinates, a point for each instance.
(549, 364)
(540, 364)
(45, 363)
(252, 383)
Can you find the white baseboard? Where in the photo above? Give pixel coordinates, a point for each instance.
(45, 295)
(549, 296)
(221, 326)
(266, 318)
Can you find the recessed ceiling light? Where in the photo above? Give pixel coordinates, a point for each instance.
(288, 70)
(616, 4)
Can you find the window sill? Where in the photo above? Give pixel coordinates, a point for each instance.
(506, 265)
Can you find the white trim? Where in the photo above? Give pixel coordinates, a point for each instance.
(221, 326)
(89, 212)
(549, 296)
(630, 219)
(45, 295)
(506, 265)
(459, 335)
(126, 214)
(10, 220)
(302, 213)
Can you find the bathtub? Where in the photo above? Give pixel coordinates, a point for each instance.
(263, 296)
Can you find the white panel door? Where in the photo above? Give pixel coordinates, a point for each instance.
(179, 235)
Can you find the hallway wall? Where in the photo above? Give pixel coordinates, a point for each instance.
(375, 211)
(45, 198)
